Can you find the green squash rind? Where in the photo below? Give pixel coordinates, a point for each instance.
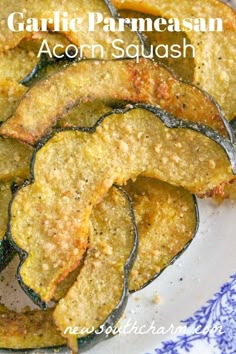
(89, 341)
(39, 72)
(167, 119)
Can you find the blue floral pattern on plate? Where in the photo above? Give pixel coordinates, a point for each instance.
(214, 324)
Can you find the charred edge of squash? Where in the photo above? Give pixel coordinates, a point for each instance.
(45, 61)
(174, 259)
(166, 118)
(87, 342)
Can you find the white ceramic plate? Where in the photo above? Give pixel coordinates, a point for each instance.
(197, 309)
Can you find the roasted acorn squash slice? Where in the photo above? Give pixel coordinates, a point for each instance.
(28, 330)
(111, 253)
(167, 220)
(73, 169)
(215, 51)
(126, 80)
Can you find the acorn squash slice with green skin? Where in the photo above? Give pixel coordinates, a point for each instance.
(114, 235)
(226, 190)
(43, 65)
(215, 50)
(167, 220)
(112, 249)
(74, 168)
(6, 251)
(182, 67)
(28, 330)
(147, 82)
(75, 9)
(17, 63)
(229, 190)
(46, 65)
(23, 65)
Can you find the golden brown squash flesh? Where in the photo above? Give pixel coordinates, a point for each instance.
(74, 169)
(28, 330)
(53, 38)
(5, 197)
(84, 115)
(99, 295)
(16, 63)
(10, 95)
(125, 80)
(167, 220)
(215, 68)
(45, 9)
(182, 67)
(14, 160)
